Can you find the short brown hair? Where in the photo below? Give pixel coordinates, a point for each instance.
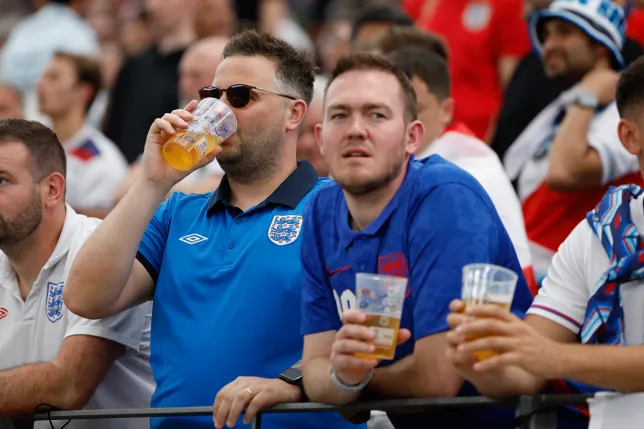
(368, 61)
(295, 68)
(45, 150)
(88, 72)
(629, 95)
(404, 37)
(427, 66)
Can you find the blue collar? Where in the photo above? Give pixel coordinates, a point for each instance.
(343, 217)
(288, 194)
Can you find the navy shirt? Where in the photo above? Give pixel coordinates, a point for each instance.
(227, 297)
(439, 220)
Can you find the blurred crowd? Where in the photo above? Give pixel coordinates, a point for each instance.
(521, 94)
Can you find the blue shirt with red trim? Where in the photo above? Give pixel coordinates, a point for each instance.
(440, 220)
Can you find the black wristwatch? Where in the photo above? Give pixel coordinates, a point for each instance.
(294, 376)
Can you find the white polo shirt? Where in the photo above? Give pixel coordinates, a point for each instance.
(573, 275)
(33, 330)
(95, 168)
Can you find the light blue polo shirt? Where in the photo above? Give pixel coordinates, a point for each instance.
(227, 297)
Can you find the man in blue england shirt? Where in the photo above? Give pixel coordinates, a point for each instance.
(390, 214)
(222, 268)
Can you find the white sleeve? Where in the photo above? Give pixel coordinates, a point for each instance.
(124, 328)
(603, 137)
(101, 183)
(564, 295)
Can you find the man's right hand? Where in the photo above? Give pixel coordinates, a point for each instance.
(352, 338)
(155, 168)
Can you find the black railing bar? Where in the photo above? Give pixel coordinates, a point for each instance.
(547, 401)
(302, 407)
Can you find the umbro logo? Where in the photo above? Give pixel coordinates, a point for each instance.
(193, 239)
(3, 312)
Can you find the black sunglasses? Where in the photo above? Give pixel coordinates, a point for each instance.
(238, 95)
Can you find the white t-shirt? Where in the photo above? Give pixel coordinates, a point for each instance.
(549, 215)
(33, 330)
(478, 159)
(95, 168)
(572, 280)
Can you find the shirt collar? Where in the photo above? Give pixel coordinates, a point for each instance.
(288, 194)
(347, 235)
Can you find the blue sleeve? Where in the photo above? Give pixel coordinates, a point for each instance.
(152, 246)
(451, 226)
(319, 311)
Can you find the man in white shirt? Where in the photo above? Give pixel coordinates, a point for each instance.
(49, 355)
(593, 295)
(56, 26)
(568, 156)
(95, 166)
(453, 141)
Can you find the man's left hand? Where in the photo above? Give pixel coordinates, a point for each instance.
(252, 393)
(517, 342)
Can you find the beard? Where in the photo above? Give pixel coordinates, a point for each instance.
(255, 157)
(13, 231)
(368, 185)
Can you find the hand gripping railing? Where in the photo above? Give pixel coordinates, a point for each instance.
(533, 412)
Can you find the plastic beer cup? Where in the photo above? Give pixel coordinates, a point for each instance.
(381, 298)
(488, 284)
(213, 123)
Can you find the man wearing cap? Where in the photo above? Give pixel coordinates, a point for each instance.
(564, 161)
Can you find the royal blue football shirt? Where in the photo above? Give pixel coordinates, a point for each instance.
(440, 220)
(227, 297)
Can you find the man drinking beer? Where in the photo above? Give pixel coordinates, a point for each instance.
(391, 215)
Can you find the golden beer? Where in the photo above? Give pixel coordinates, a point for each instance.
(485, 354)
(385, 329)
(185, 149)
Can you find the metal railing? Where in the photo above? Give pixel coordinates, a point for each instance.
(533, 412)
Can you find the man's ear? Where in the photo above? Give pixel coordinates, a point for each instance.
(630, 136)
(297, 115)
(318, 138)
(415, 134)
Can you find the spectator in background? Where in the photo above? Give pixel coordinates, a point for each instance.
(95, 166)
(197, 69)
(455, 142)
(181, 263)
(147, 85)
(531, 90)
(486, 40)
(374, 21)
(56, 26)
(51, 356)
(381, 217)
(307, 147)
(404, 37)
(135, 35)
(10, 102)
(570, 153)
(585, 324)
(215, 18)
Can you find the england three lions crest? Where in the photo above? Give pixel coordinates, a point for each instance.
(285, 229)
(55, 301)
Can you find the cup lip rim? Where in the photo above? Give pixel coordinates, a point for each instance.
(381, 276)
(496, 267)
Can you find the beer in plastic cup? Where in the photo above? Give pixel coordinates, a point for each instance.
(213, 123)
(488, 284)
(381, 298)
